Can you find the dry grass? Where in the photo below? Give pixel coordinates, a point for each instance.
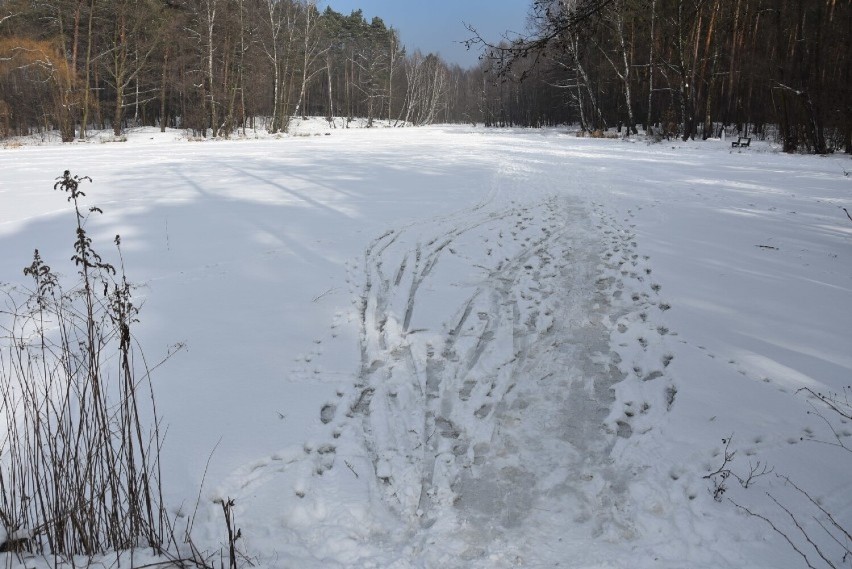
(80, 473)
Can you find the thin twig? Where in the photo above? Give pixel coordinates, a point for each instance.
(329, 291)
(802, 530)
(776, 530)
(191, 521)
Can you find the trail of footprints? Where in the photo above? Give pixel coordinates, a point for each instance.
(629, 275)
(460, 373)
(412, 396)
(641, 330)
(415, 392)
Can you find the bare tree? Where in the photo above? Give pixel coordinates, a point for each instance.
(312, 50)
(427, 80)
(614, 16)
(550, 21)
(129, 47)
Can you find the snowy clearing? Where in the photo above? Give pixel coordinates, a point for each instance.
(457, 347)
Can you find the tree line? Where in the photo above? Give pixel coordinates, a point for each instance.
(213, 66)
(778, 69)
(689, 68)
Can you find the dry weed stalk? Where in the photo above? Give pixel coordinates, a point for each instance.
(80, 455)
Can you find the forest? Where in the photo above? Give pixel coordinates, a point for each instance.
(774, 69)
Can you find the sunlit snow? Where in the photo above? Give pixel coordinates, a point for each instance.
(459, 347)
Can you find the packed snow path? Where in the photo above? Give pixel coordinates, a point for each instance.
(455, 347)
(482, 415)
(495, 408)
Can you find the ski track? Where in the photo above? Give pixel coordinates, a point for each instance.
(484, 426)
(505, 415)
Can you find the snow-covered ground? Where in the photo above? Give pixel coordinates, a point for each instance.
(298, 127)
(457, 347)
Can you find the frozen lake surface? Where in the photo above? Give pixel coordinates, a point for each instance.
(457, 347)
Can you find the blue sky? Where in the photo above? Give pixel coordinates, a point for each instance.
(436, 25)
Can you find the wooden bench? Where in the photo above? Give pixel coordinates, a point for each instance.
(741, 141)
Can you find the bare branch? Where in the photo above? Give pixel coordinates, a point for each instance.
(8, 17)
(838, 405)
(819, 506)
(802, 531)
(776, 530)
(553, 24)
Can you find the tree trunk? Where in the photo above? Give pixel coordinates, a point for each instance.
(625, 74)
(648, 120)
(118, 71)
(848, 82)
(210, 22)
(87, 87)
(119, 104)
(163, 82)
(811, 88)
(330, 97)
